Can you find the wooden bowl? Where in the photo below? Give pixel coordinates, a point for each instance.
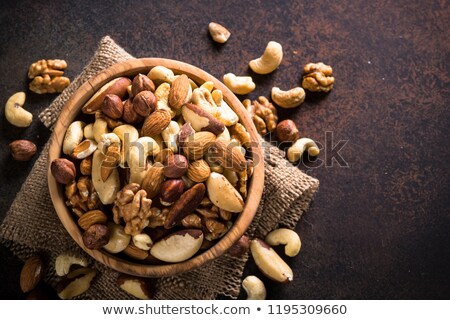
(72, 110)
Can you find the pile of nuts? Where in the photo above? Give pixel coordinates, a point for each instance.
(163, 162)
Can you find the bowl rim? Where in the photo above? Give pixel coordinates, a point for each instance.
(73, 107)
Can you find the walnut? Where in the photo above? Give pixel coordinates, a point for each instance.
(81, 196)
(242, 182)
(158, 217)
(192, 221)
(214, 229)
(51, 67)
(318, 77)
(47, 84)
(241, 134)
(47, 76)
(263, 113)
(133, 207)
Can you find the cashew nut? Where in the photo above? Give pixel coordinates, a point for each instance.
(288, 99)
(239, 85)
(89, 131)
(137, 157)
(254, 287)
(170, 136)
(142, 241)
(65, 260)
(202, 97)
(218, 32)
(106, 140)
(295, 152)
(73, 137)
(160, 74)
(107, 189)
(223, 112)
(15, 114)
(287, 237)
(208, 85)
(162, 98)
(100, 126)
(225, 135)
(127, 134)
(270, 60)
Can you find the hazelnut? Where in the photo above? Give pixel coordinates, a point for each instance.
(63, 170)
(287, 131)
(141, 83)
(144, 103)
(176, 167)
(240, 247)
(163, 155)
(129, 115)
(171, 190)
(22, 150)
(112, 106)
(96, 236)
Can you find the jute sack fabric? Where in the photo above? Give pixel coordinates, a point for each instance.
(32, 226)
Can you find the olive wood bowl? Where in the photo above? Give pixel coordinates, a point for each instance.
(72, 109)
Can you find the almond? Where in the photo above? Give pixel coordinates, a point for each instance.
(180, 92)
(92, 217)
(31, 274)
(153, 180)
(156, 122)
(134, 252)
(116, 86)
(197, 144)
(22, 150)
(227, 155)
(198, 171)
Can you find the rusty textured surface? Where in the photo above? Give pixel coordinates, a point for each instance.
(378, 228)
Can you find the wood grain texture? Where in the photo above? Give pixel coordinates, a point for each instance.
(73, 108)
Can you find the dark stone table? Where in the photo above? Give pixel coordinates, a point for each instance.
(379, 225)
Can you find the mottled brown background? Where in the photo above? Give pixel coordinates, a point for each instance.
(379, 227)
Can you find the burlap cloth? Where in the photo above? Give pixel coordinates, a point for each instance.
(32, 226)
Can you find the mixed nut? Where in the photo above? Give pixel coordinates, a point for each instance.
(157, 155)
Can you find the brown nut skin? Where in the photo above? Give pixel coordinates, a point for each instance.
(31, 274)
(177, 165)
(63, 170)
(129, 114)
(96, 236)
(171, 190)
(155, 123)
(144, 103)
(142, 83)
(211, 124)
(287, 131)
(240, 247)
(185, 205)
(22, 150)
(112, 106)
